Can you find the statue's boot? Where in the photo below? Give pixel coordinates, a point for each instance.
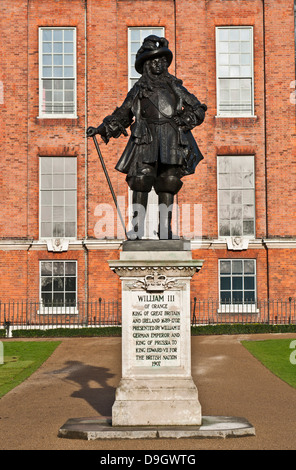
(165, 203)
(140, 199)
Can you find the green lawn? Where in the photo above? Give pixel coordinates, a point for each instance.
(275, 354)
(21, 359)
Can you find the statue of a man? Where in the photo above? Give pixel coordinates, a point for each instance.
(161, 148)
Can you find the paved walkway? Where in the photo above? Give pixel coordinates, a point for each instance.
(80, 378)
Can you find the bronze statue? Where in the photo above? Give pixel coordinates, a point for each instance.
(161, 148)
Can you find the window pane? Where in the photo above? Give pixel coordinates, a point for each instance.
(225, 283)
(68, 35)
(46, 284)
(237, 297)
(70, 181)
(225, 267)
(58, 72)
(70, 268)
(57, 47)
(58, 198)
(47, 35)
(46, 268)
(46, 181)
(234, 34)
(46, 165)
(245, 34)
(249, 296)
(249, 266)
(58, 84)
(70, 229)
(58, 284)
(237, 283)
(236, 197)
(237, 266)
(58, 268)
(46, 229)
(58, 181)
(224, 34)
(70, 299)
(68, 59)
(58, 165)
(224, 228)
(58, 214)
(69, 84)
(70, 213)
(68, 48)
(47, 59)
(47, 47)
(57, 59)
(57, 34)
(226, 297)
(68, 71)
(58, 299)
(47, 71)
(70, 197)
(46, 198)
(58, 229)
(46, 214)
(46, 299)
(70, 283)
(249, 283)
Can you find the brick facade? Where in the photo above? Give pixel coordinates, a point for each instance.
(102, 83)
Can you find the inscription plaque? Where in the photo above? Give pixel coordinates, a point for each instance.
(156, 324)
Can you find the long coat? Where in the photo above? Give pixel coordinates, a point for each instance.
(162, 139)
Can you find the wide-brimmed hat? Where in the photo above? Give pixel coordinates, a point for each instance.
(152, 47)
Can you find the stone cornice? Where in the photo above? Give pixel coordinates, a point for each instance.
(283, 243)
(94, 244)
(140, 268)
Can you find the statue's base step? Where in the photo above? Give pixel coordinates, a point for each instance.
(156, 245)
(101, 428)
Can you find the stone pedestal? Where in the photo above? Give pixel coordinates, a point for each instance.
(156, 386)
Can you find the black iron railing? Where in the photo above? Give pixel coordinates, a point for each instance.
(26, 314)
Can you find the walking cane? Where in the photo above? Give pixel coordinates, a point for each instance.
(109, 182)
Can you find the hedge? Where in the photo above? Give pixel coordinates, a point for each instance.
(221, 329)
(234, 329)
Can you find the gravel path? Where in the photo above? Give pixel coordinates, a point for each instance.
(80, 378)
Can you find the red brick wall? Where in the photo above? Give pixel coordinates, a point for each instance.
(13, 119)
(280, 119)
(190, 29)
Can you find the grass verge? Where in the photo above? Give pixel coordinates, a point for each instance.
(275, 354)
(21, 359)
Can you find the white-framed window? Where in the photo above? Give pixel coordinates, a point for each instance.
(57, 72)
(136, 35)
(237, 282)
(58, 286)
(236, 196)
(235, 71)
(58, 197)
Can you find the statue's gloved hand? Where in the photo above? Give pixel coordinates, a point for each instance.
(184, 121)
(92, 131)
